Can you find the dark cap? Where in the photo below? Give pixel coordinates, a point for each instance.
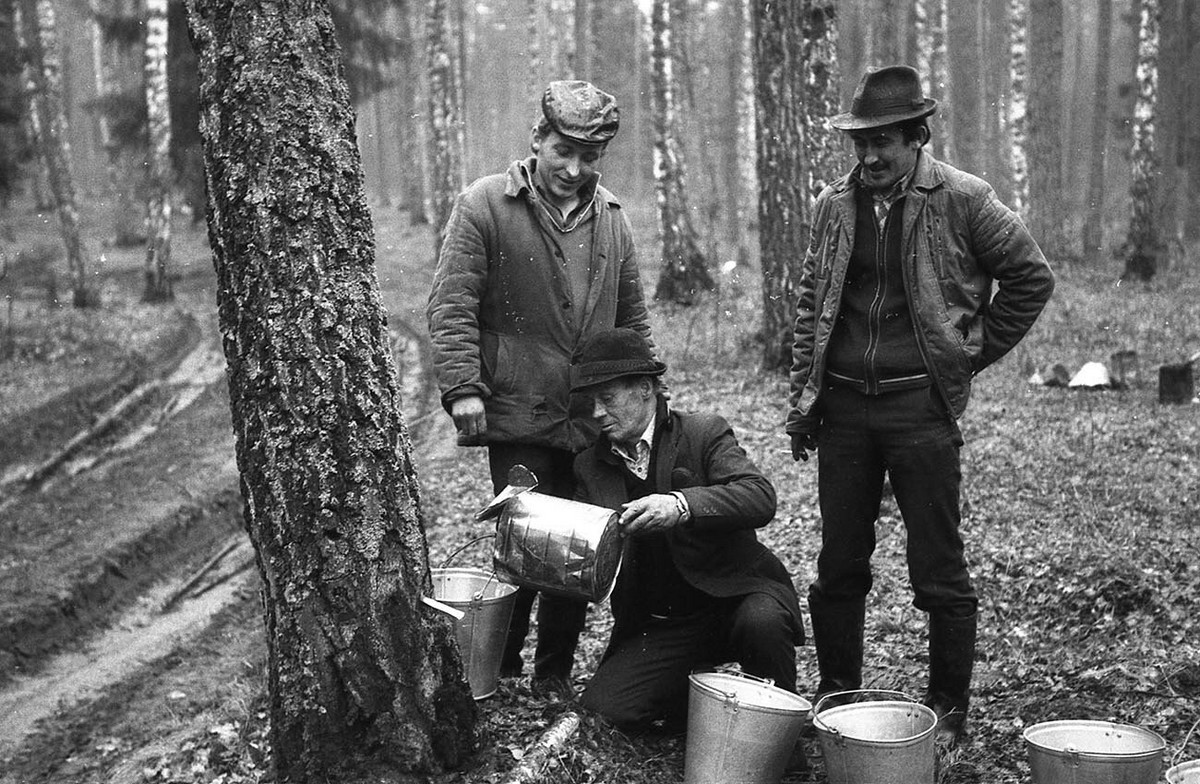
(885, 96)
(613, 353)
(581, 112)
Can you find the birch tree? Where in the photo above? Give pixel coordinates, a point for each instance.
(1093, 224)
(685, 272)
(1144, 246)
(1018, 22)
(38, 29)
(931, 22)
(446, 140)
(360, 673)
(158, 155)
(783, 188)
(1047, 205)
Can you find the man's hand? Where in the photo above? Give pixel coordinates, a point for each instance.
(802, 444)
(656, 512)
(469, 419)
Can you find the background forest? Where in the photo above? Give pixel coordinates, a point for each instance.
(132, 645)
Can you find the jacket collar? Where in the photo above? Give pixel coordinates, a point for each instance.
(518, 182)
(664, 424)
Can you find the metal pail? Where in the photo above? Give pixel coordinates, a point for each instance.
(740, 729)
(876, 741)
(1184, 773)
(488, 604)
(558, 546)
(1093, 752)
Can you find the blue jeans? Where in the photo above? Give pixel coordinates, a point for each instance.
(911, 437)
(560, 620)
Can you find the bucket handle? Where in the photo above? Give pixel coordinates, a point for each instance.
(1186, 741)
(858, 693)
(729, 698)
(459, 549)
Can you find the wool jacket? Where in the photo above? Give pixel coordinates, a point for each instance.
(500, 310)
(959, 242)
(717, 550)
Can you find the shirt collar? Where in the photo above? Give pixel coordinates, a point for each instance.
(587, 197)
(646, 439)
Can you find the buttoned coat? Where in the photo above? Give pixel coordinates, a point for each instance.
(717, 550)
(959, 246)
(500, 312)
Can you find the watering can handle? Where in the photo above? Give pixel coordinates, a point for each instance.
(456, 552)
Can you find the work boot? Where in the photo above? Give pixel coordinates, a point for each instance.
(951, 659)
(838, 635)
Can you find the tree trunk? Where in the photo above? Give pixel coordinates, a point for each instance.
(1144, 246)
(1093, 225)
(158, 154)
(585, 38)
(740, 79)
(1018, 20)
(1046, 210)
(685, 272)
(782, 170)
(445, 118)
(1191, 124)
(551, 42)
(39, 36)
(361, 674)
(931, 21)
(412, 125)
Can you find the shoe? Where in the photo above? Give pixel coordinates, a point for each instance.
(555, 688)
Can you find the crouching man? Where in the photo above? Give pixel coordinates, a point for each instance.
(697, 588)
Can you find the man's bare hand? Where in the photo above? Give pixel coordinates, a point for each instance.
(469, 419)
(656, 512)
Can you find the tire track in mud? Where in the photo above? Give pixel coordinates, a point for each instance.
(151, 618)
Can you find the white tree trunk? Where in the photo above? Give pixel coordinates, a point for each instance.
(1018, 18)
(158, 154)
(1144, 246)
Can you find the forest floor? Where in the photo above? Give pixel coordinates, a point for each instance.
(131, 641)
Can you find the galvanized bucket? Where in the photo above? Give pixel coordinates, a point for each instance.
(865, 740)
(558, 546)
(1093, 752)
(1184, 773)
(488, 607)
(740, 729)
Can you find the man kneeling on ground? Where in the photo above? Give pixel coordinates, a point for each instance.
(697, 588)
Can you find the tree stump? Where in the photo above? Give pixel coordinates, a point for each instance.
(1176, 383)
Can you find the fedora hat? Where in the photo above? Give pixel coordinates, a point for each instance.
(885, 96)
(613, 353)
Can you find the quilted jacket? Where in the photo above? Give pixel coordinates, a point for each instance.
(958, 240)
(500, 311)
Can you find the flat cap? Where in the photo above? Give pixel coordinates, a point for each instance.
(581, 112)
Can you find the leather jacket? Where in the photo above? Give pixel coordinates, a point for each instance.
(958, 240)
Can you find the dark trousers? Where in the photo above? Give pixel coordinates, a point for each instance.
(910, 436)
(644, 678)
(560, 620)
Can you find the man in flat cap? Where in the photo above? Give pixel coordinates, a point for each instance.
(534, 261)
(916, 278)
(697, 588)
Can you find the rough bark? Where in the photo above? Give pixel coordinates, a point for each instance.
(1093, 225)
(446, 141)
(39, 37)
(783, 188)
(1144, 246)
(1046, 214)
(361, 674)
(1018, 20)
(158, 155)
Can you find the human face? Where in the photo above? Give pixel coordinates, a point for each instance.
(885, 157)
(563, 166)
(622, 408)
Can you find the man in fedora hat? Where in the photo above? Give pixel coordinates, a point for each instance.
(535, 260)
(916, 278)
(696, 588)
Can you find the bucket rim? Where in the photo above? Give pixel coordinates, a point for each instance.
(1160, 743)
(904, 700)
(1187, 766)
(803, 705)
(505, 588)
